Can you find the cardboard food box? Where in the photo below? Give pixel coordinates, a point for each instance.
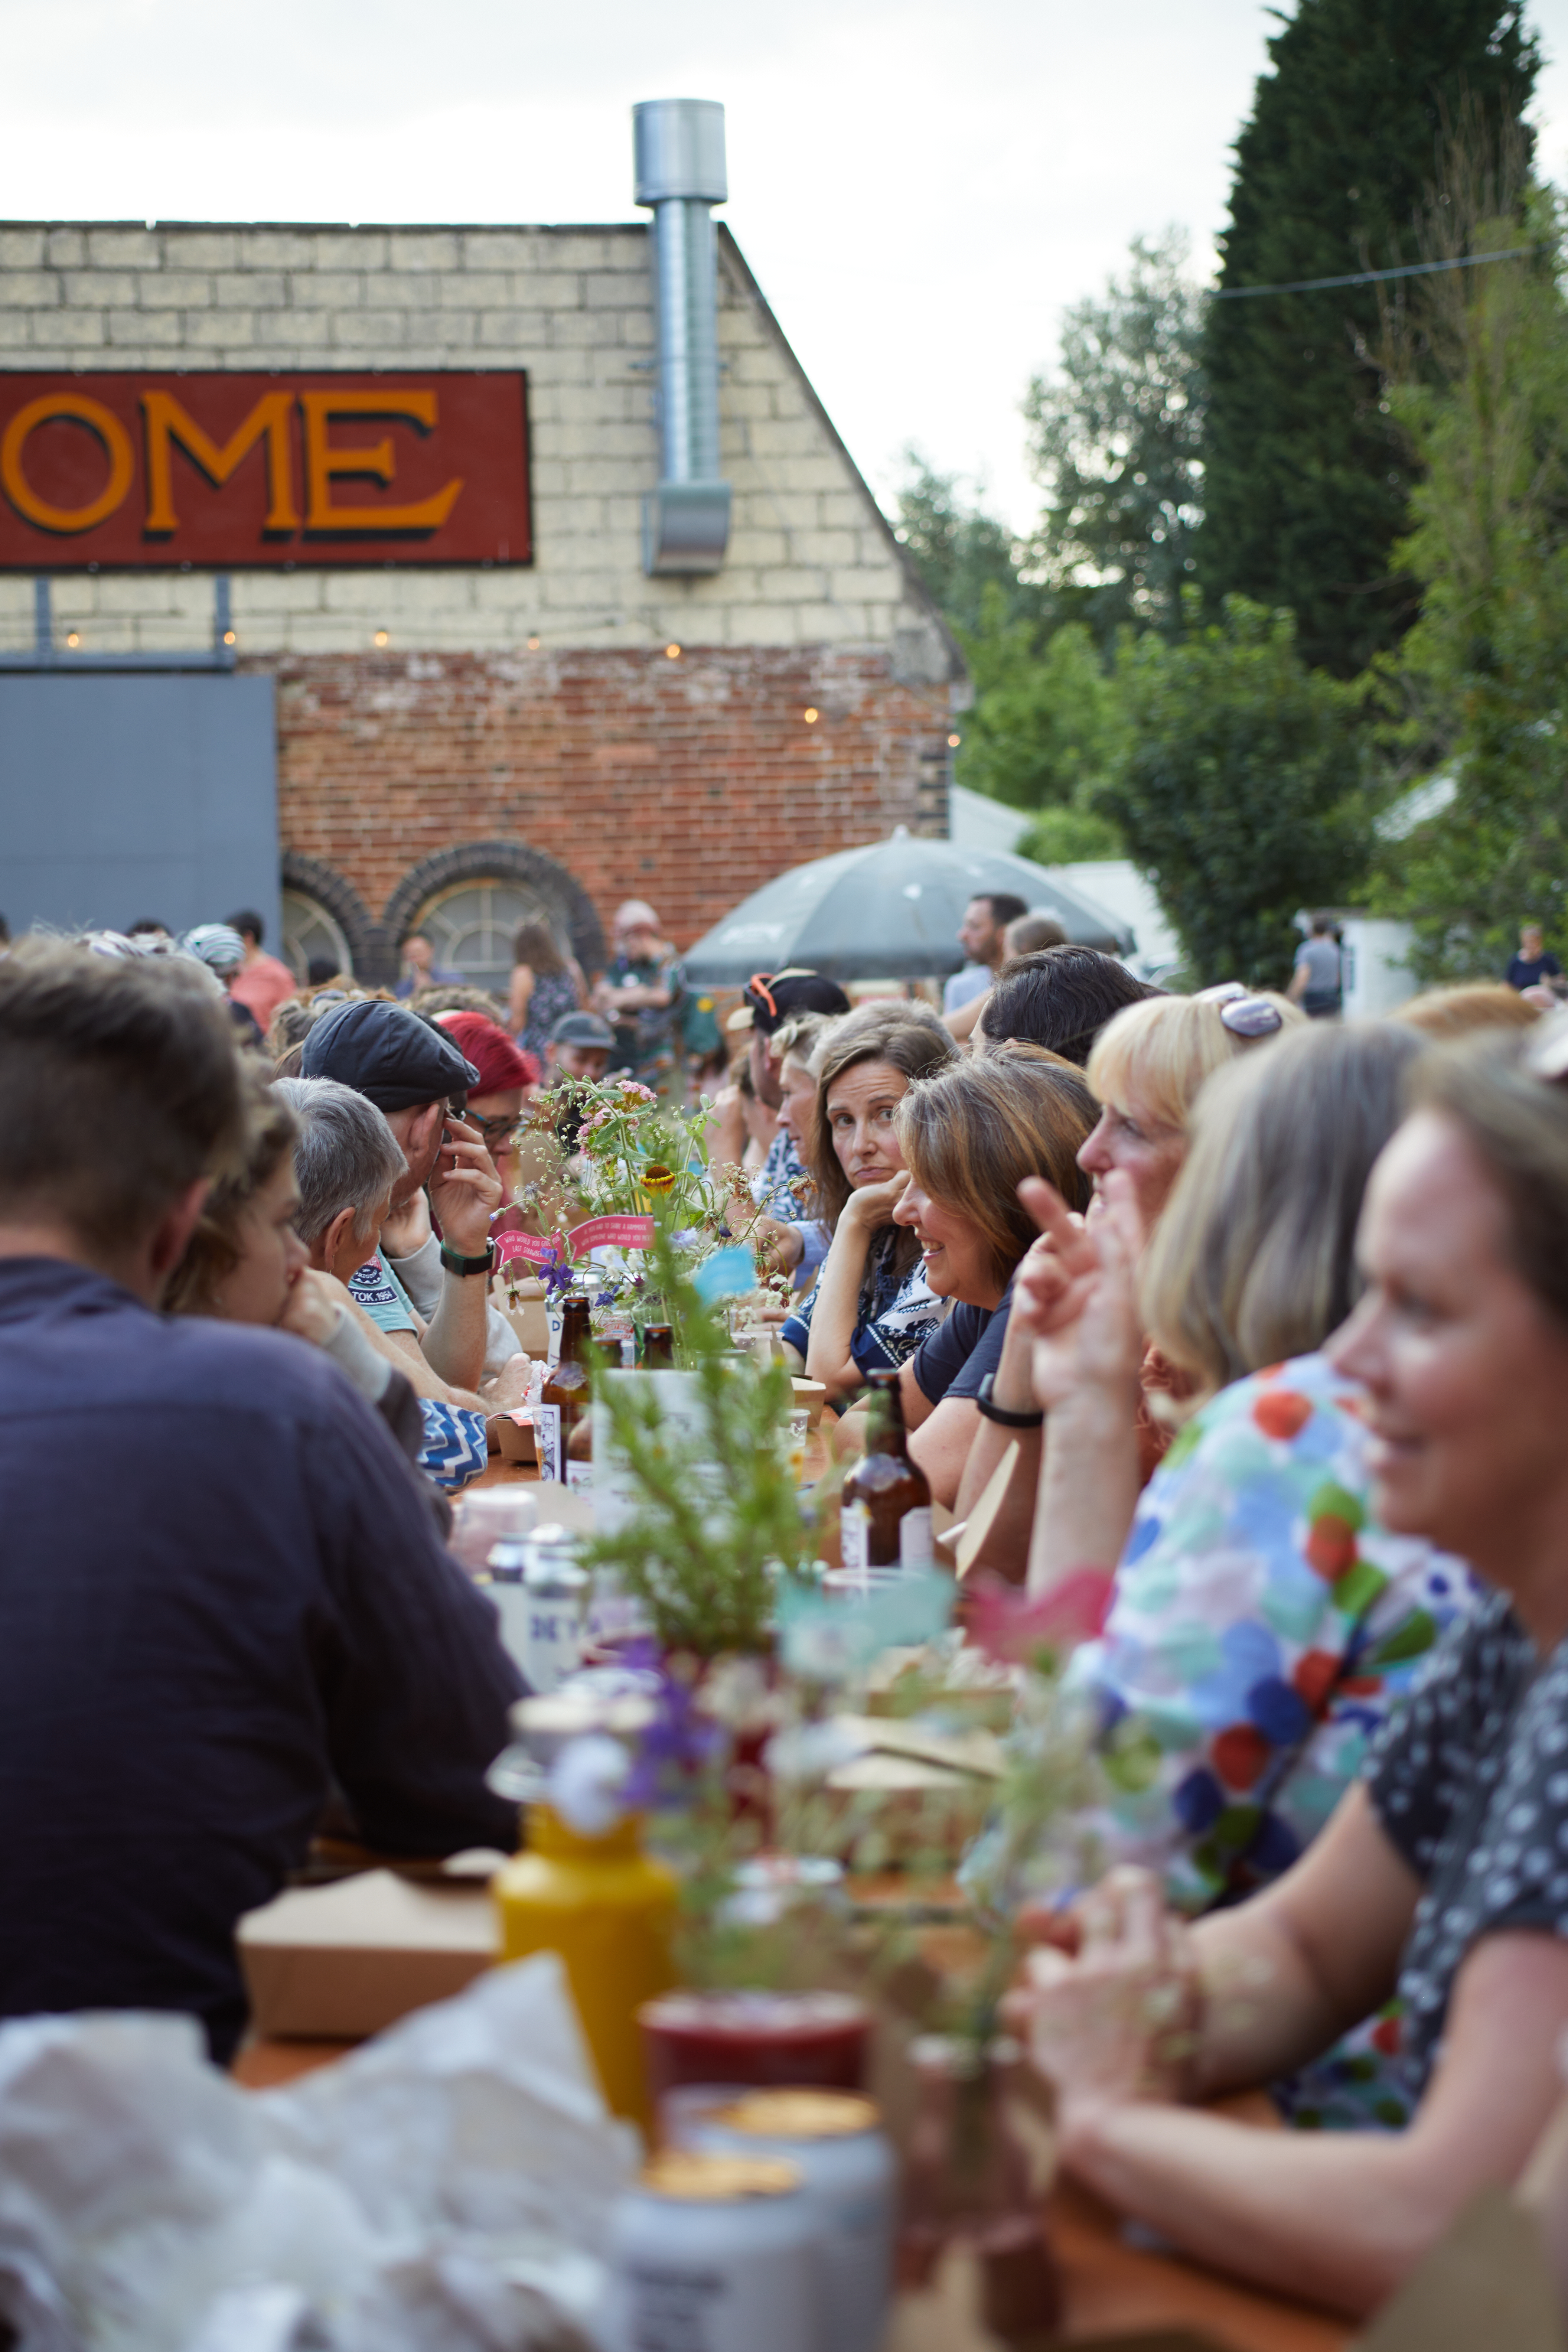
(338, 1962)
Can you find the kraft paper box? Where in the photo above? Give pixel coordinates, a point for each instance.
(1486, 2286)
(341, 1961)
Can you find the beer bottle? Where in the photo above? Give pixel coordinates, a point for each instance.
(886, 1517)
(657, 1347)
(564, 1401)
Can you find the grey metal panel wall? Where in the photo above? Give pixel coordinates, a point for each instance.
(133, 796)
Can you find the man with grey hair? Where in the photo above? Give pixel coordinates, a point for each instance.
(347, 1163)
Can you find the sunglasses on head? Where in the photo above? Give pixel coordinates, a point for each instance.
(1251, 1016)
(760, 984)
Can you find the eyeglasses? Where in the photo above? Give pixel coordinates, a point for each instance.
(494, 1130)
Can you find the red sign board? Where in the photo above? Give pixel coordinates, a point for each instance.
(133, 471)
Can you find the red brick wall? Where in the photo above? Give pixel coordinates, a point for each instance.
(687, 782)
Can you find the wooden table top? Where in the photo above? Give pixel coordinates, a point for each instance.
(1110, 2288)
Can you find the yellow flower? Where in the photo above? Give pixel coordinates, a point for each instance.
(656, 1177)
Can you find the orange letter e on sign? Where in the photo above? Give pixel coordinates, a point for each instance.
(323, 463)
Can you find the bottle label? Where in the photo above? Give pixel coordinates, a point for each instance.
(915, 1540)
(580, 1475)
(855, 1537)
(547, 1440)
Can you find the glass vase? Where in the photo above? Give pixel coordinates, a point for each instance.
(970, 2179)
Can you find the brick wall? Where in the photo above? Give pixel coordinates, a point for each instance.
(689, 782)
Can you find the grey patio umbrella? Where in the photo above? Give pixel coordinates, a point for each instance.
(888, 910)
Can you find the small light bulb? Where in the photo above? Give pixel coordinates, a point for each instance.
(229, 636)
(72, 638)
(381, 637)
(673, 653)
(811, 718)
(954, 742)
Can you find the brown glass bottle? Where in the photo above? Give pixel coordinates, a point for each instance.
(657, 1347)
(564, 1398)
(886, 1517)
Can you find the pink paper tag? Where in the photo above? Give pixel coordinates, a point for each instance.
(598, 1233)
(611, 1232)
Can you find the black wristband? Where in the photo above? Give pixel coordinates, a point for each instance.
(455, 1265)
(999, 1412)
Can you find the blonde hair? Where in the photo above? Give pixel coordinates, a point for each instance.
(1253, 1260)
(1159, 1052)
(1458, 1012)
(972, 1133)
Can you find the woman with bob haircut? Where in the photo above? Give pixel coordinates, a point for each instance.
(1263, 1624)
(872, 1306)
(1441, 1877)
(1145, 1068)
(970, 1136)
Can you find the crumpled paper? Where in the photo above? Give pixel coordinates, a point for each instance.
(447, 2188)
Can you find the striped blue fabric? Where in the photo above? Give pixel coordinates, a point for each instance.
(454, 1448)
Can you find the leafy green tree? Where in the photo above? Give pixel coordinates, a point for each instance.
(1046, 727)
(1241, 795)
(1307, 477)
(965, 555)
(1115, 439)
(1480, 677)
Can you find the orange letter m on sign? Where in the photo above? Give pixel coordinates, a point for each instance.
(167, 422)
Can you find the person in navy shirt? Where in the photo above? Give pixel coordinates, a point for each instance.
(1531, 964)
(222, 1597)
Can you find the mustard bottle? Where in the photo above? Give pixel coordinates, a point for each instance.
(608, 1910)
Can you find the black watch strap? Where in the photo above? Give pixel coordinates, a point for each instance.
(999, 1412)
(455, 1265)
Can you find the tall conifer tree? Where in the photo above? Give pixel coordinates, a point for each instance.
(1306, 478)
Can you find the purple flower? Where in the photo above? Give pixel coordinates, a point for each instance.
(673, 1747)
(557, 1272)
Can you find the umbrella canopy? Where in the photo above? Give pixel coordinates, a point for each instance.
(888, 910)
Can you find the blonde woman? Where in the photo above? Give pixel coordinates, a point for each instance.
(1263, 1623)
(1145, 1070)
(970, 1138)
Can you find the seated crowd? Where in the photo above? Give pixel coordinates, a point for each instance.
(1267, 1315)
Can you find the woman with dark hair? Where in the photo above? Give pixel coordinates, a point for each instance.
(546, 983)
(970, 1136)
(1441, 1877)
(872, 1306)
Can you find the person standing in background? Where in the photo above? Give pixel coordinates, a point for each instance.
(546, 984)
(982, 936)
(1315, 982)
(641, 994)
(262, 982)
(420, 968)
(1531, 964)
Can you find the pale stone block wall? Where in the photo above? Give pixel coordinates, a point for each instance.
(810, 560)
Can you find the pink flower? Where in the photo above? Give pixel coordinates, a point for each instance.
(630, 1089)
(1013, 1627)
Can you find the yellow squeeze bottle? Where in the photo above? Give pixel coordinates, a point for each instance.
(608, 1910)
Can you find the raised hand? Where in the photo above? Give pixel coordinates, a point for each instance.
(465, 1190)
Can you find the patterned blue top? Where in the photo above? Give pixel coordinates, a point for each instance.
(897, 1312)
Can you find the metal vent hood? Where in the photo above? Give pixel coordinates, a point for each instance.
(680, 160)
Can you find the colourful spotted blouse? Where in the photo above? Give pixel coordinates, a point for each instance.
(1262, 1628)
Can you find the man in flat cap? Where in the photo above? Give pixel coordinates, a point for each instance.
(419, 1080)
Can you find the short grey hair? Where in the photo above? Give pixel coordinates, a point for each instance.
(346, 1156)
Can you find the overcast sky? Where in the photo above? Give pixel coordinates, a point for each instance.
(920, 188)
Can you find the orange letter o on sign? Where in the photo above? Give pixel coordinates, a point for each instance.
(81, 411)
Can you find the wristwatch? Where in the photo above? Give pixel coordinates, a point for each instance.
(999, 1412)
(455, 1265)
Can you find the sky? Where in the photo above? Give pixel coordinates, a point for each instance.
(920, 189)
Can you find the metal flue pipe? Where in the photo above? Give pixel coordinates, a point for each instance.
(679, 159)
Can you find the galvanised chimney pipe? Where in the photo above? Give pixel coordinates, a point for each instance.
(679, 156)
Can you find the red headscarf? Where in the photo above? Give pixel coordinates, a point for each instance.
(499, 1063)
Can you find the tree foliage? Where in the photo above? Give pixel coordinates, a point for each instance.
(1241, 794)
(1047, 727)
(1116, 440)
(969, 559)
(1307, 476)
(1480, 386)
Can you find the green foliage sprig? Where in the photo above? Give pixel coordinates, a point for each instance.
(717, 1516)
